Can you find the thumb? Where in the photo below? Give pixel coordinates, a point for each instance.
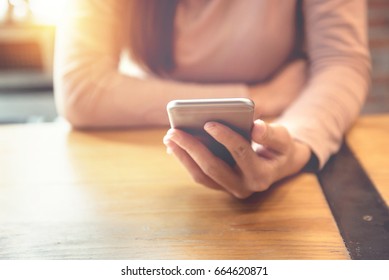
(272, 136)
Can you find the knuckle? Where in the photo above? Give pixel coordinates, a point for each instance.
(243, 194)
(254, 185)
(191, 146)
(242, 151)
(252, 179)
(262, 186)
(257, 184)
(199, 178)
(212, 170)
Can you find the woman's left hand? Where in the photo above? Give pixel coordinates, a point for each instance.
(272, 156)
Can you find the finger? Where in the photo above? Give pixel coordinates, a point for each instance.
(193, 169)
(236, 144)
(213, 167)
(241, 150)
(272, 136)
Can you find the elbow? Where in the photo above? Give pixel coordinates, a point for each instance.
(76, 116)
(72, 104)
(81, 90)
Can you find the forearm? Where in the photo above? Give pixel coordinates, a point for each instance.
(326, 109)
(339, 75)
(113, 100)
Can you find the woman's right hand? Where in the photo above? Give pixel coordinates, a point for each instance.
(274, 96)
(273, 155)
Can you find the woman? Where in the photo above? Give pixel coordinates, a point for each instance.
(220, 48)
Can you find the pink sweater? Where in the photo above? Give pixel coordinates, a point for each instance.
(221, 46)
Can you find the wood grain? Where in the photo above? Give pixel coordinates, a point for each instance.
(117, 195)
(369, 140)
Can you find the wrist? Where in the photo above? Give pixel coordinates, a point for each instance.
(302, 156)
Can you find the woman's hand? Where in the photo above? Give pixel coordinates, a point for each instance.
(272, 156)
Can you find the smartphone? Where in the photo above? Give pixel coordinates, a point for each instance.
(190, 115)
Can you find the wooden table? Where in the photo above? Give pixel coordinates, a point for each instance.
(370, 142)
(68, 194)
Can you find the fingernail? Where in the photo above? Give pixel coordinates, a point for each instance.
(259, 122)
(259, 130)
(169, 136)
(169, 147)
(166, 139)
(261, 125)
(209, 126)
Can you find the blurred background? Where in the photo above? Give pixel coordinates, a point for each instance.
(27, 33)
(378, 16)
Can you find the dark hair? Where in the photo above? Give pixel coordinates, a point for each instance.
(152, 34)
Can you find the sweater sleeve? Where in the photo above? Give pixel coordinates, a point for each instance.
(339, 76)
(90, 90)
